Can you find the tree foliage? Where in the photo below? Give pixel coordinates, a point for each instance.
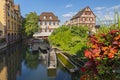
(72, 39)
(31, 23)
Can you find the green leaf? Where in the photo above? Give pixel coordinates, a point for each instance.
(31, 23)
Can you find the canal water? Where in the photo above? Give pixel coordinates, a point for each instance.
(18, 63)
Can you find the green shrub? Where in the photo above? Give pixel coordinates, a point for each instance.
(71, 39)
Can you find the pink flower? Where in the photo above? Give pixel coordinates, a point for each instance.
(83, 69)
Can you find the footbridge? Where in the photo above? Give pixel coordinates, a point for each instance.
(41, 35)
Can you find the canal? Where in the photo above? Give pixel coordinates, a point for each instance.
(18, 63)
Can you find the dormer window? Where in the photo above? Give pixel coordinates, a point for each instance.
(44, 17)
(50, 17)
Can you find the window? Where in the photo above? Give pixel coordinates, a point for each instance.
(15, 17)
(83, 19)
(8, 24)
(50, 17)
(56, 23)
(49, 23)
(91, 25)
(45, 30)
(43, 23)
(49, 30)
(1, 32)
(89, 13)
(53, 23)
(14, 26)
(87, 19)
(91, 19)
(40, 23)
(86, 13)
(44, 17)
(8, 13)
(12, 15)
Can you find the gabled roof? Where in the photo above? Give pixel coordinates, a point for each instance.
(48, 15)
(81, 12)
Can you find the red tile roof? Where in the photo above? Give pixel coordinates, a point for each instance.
(48, 15)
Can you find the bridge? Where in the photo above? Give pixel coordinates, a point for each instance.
(42, 35)
(38, 45)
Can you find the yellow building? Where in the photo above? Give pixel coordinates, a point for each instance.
(11, 19)
(2, 31)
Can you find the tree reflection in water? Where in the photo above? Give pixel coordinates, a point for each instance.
(31, 60)
(17, 63)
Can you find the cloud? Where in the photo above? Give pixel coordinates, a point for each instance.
(69, 15)
(68, 6)
(100, 8)
(106, 15)
(115, 7)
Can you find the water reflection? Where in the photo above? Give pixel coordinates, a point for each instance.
(10, 63)
(31, 60)
(53, 71)
(17, 63)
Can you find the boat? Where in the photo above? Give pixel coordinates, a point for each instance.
(66, 63)
(51, 60)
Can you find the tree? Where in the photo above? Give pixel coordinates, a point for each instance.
(31, 23)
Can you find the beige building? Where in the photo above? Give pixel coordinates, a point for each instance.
(67, 23)
(11, 19)
(47, 23)
(85, 17)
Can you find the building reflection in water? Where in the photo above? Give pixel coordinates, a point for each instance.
(10, 62)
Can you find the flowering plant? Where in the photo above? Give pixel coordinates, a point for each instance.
(103, 55)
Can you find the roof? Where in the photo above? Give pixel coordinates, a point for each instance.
(17, 7)
(81, 12)
(48, 15)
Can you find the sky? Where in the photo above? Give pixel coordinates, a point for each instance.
(65, 9)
